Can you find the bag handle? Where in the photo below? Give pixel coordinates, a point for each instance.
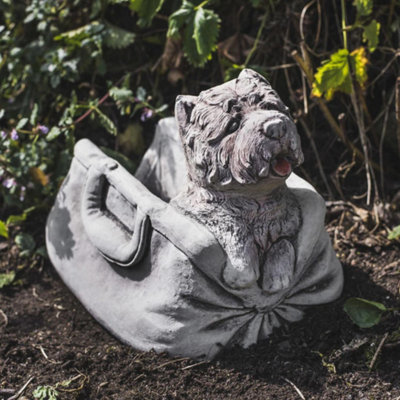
(108, 234)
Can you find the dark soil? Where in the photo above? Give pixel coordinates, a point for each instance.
(48, 336)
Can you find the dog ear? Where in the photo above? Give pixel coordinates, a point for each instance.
(251, 75)
(183, 109)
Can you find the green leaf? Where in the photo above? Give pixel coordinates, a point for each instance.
(25, 242)
(121, 94)
(21, 123)
(364, 7)
(146, 10)
(333, 75)
(106, 122)
(371, 35)
(206, 28)
(117, 38)
(179, 18)
(45, 393)
(76, 36)
(3, 229)
(364, 313)
(53, 134)
(395, 233)
(7, 278)
(34, 113)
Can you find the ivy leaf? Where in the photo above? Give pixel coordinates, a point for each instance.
(364, 7)
(106, 122)
(117, 38)
(146, 10)
(364, 313)
(178, 19)
(206, 27)
(333, 75)
(371, 35)
(395, 233)
(3, 229)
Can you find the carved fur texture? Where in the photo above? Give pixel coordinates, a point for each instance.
(240, 145)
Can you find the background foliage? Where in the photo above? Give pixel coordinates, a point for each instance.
(108, 69)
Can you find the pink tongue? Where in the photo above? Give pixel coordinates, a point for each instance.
(282, 167)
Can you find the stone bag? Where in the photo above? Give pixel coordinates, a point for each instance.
(153, 276)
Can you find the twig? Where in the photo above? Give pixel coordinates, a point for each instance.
(398, 111)
(384, 129)
(47, 357)
(378, 350)
(3, 314)
(318, 159)
(294, 387)
(194, 365)
(171, 362)
(7, 391)
(79, 388)
(20, 391)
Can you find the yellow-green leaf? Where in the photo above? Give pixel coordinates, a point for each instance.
(395, 233)
(371, 35)
(3, 229)
(333, 75)
(359, 63)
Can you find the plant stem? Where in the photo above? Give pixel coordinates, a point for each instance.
(255, 45)
(344, 28)
(201, 5)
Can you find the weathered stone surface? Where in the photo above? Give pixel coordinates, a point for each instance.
(240, 247)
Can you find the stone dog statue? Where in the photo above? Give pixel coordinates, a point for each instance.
(213, 243)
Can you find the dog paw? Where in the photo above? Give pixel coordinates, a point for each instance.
(278, 268)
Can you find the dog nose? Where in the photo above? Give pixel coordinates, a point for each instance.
(274, 129)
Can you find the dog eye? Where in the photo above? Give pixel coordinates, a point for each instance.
(233, 126)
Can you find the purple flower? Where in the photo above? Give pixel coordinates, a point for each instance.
(146, 114)
(44, 129)
(9, 183)
(14, 135)
(3, 135)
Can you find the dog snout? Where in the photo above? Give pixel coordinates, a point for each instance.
(275, 129)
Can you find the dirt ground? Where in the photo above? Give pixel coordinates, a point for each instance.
(48, 339)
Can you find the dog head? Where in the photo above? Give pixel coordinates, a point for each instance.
(238, 135)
